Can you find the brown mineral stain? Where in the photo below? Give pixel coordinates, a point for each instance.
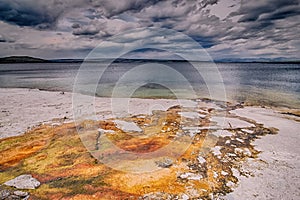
(15, 149)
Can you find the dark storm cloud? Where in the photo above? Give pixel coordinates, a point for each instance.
(224, 27)
(282, 13)
(34, 13)
(264, 18)
(205, 42)
(87, 30)
(205, 3)
(24, 13)
(253, 10)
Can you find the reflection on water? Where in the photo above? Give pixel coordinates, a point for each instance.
(259, 83)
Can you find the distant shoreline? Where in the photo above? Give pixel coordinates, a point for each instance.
(28, 59)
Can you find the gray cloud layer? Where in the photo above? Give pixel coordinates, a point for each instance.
(226, 28)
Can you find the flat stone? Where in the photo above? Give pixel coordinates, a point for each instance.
(191, 176)
(23, 182)
(164, 163)
(127, 126)
(201, 160)
(13, 197)
(157, 195)
(191, 115)
(20, 193)
(4, 194)
(185, 197)
(216, 150)
(222, 133)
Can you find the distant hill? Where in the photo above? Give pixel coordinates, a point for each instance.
(67, 60)
(260, 60)
(28, 59)
(22, 59)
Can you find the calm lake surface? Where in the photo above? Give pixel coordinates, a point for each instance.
(258, 83)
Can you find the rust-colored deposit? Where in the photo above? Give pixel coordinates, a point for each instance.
(57, 158)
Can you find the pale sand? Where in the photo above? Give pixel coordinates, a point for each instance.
(276, 176)
(21, 109)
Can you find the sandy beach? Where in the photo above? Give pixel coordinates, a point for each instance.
(274, 174)
(21, 109)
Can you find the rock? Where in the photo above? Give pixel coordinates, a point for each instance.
(127, 126)
(4, 194)
(230, 184)
(13, 197)
(201, 160)
(185, 197)
(23, 182)
(165, 163)
(20, 193)
(224, 173)
(191, 176)
(216, 150)
(158, 195)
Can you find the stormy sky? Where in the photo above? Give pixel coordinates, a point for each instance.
(227, 29)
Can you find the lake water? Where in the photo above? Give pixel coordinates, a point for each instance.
(258, 83)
